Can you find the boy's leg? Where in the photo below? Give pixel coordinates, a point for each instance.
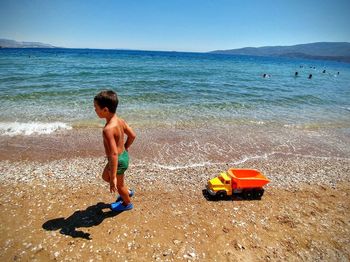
(105, 174)
(123, 190)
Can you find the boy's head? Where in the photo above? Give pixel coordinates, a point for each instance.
(107, 99)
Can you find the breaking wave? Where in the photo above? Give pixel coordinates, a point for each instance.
(31, 128)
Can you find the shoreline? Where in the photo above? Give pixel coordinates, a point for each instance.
(184, 146)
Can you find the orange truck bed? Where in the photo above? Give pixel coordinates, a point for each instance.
(247, 178)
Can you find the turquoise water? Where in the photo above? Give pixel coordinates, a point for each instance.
(42, 90)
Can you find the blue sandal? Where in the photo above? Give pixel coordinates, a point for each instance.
(119, 207)
(131, 193)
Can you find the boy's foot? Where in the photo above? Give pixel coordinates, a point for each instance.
(131, 193)
(118, 206)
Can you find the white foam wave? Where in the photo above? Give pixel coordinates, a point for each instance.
(236, 163)
(31, 128)
(247, 158)
(257, 122)
(203, 164)
(176, 167)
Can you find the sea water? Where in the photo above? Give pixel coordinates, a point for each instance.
(46, 90)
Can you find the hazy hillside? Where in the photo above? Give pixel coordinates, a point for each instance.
(6, 43)
(323, 50)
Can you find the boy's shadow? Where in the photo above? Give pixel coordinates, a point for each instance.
(91, 216)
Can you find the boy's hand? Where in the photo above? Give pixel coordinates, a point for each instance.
(113, 185)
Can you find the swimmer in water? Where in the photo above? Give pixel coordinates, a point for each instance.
(266, 76)
(324, 71)
(310, 76)
(296, 74)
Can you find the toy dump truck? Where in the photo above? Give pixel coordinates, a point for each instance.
(248, 182)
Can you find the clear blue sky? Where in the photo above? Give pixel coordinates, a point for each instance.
(181, 25)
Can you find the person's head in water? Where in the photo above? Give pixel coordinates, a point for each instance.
(264, 75)
(296, 74)
(324, 71)
(310, 76)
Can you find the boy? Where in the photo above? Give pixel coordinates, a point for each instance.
(105, 104)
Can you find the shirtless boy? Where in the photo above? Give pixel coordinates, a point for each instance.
(114, 132)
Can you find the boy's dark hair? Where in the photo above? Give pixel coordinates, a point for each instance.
(107, 98)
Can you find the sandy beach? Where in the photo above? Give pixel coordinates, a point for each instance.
(56, 207)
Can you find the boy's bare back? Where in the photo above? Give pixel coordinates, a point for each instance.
(116, 127)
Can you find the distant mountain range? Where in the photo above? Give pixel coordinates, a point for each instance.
(339, 51)
(6, 43)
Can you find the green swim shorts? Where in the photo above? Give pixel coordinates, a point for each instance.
(123, 162)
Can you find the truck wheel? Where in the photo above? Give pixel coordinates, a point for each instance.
(221, 195)
(248, 194)
(258, 193)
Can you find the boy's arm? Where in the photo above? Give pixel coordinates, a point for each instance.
(131, 136)
(112, 158)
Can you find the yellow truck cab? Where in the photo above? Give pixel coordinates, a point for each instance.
(220, 186)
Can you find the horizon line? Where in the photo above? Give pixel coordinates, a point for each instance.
(146, 50)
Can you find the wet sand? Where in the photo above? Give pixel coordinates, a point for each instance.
(54, 206)
(183, 146)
